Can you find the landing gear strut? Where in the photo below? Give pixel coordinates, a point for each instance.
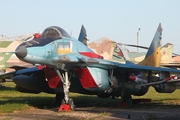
(126, 99)
(1, 86)
(66, 103)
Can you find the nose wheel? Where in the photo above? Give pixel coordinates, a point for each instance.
(66, 106)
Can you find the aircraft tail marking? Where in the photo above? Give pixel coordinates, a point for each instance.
(167, 51)
(153, 55)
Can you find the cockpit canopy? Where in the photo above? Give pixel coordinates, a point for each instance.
(54, 32)
(50, 34)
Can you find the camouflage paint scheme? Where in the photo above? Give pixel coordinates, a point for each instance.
(8, 60)
(104, 47)
(111, 50)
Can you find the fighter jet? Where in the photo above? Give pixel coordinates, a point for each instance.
(65, 64)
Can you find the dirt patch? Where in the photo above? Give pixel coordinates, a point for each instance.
(93, 113)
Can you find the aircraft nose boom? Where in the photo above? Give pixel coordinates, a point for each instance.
(21, 52)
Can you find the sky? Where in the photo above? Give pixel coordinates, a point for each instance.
(118, 20)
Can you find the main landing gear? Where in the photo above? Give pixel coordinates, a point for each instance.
(126, 99)
(66, 102)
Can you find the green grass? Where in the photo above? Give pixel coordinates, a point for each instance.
(162, 97)
(12, 100)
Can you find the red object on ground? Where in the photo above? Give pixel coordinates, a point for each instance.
(123, 104)
(64, 107)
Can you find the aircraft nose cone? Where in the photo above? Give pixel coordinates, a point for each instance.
(21, 52)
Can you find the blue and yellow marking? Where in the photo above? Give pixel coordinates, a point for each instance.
(64, 48)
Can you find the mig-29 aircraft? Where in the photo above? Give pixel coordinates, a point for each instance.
(65, 64)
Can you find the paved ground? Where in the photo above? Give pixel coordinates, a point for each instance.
(93, 113)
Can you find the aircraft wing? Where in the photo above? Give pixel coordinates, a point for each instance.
(77, 60)
(69, 61)
(9, 75)
(18, 67)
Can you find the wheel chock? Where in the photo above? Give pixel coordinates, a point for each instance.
(64, 107)
(123, 104)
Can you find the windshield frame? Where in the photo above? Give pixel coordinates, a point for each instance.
(55, 32)
(49, 35)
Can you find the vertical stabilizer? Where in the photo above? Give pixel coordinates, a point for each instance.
(167, 52)
(83, 36)
(3, 59)
(153, 55)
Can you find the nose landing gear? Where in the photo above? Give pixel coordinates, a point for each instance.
(66, 102)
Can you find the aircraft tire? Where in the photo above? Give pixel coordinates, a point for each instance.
(71, 104)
